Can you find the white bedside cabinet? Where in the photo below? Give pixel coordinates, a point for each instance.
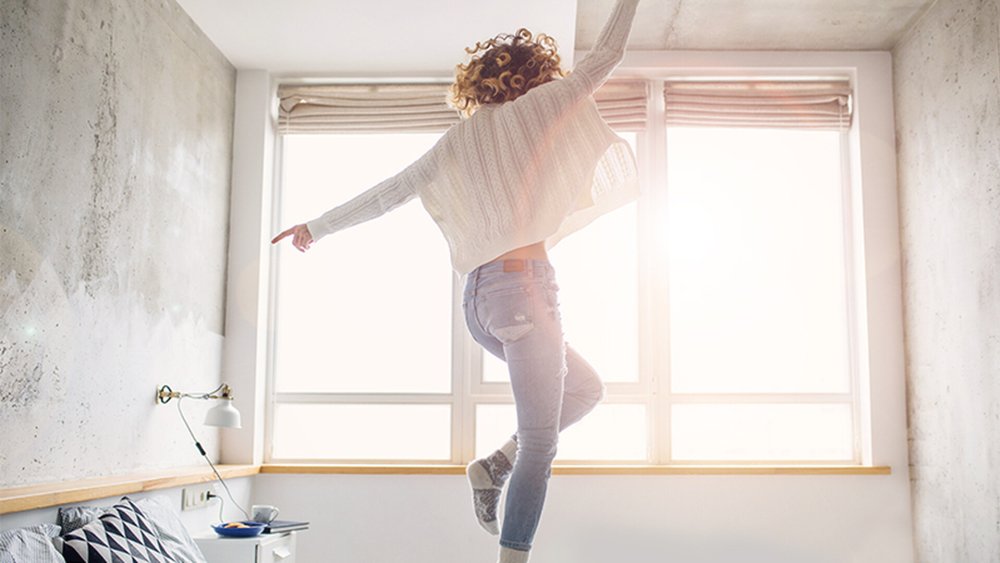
(265, 548)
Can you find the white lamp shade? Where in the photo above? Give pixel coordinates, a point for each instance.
(223, 415)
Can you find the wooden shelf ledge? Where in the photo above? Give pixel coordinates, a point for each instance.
(45, 495)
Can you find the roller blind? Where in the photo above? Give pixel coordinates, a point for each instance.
(372, 108)
(622, 103)
(346, 108)
(785, 104)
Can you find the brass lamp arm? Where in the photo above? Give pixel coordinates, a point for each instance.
(165, 393)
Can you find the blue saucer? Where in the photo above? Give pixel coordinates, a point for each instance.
(253, 529)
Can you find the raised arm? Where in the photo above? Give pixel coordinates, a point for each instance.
(608, 51)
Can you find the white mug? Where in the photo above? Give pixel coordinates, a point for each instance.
(264, 513)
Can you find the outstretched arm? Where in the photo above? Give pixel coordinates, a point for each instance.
(374, 202)
(608, 51)
(384, 197)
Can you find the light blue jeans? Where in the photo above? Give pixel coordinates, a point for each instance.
(511, 309)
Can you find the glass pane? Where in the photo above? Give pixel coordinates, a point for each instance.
(494, 369)
(494, 425)
(761, 432)
(757, 276)
(367, 309)
(363, 432)
(597, 272)
(615, 432)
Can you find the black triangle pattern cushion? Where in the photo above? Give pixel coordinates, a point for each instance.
(123, 535)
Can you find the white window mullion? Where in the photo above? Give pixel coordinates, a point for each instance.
(270, 391)
(851, 252)
(366, 398)
(361, 462)
(760, 462)
(642, 388)
(655, 293)
(759, 398)
(465, 369)
(490, 399)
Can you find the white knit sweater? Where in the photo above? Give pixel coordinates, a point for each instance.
(536, 168)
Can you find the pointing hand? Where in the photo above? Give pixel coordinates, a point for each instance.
(301, 240)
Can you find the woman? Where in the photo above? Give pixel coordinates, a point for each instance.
(532, 163)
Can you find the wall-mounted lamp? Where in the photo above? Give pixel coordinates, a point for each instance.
(223, 415)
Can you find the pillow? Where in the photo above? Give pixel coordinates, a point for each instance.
(76, 517)
(29, 545)
(172, 531)
(165, 519)
(122, 535)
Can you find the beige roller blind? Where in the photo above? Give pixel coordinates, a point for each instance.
(785, 104)
(346, 108)
(360, 108)
(622, 103)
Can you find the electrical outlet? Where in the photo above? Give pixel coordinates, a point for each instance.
(195, 497)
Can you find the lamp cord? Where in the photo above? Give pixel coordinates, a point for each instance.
(207, 395)
(222, 504)
(201, 450)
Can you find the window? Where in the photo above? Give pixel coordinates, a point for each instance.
(759, 334)
(726, 284)
(363, 322)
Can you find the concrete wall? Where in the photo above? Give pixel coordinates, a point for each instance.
(948, 129)
(116, 126)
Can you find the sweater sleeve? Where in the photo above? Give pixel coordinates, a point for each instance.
(608, 51)
(377, 200)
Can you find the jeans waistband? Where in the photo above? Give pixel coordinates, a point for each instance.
(529, 266)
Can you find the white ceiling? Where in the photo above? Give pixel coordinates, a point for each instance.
(370, 37)
(426, 37)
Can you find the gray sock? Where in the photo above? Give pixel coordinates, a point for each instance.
(508, 555)
(487, 477)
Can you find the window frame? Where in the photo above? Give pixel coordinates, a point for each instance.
(467, 392)
(659, 259)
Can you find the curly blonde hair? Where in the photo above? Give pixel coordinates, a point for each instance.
(504, 68)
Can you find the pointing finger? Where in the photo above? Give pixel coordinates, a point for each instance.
(283, 234)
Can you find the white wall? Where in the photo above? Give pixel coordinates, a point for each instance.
(250, 231)
(597, 519)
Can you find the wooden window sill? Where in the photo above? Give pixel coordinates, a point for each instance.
(44, 495)
(400, 469)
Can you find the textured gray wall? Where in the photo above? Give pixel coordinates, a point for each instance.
(792, 25)
(115, 145)
(947, 98)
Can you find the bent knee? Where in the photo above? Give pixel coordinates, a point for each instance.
(595, 392)
(600, 392)
(537, 444)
